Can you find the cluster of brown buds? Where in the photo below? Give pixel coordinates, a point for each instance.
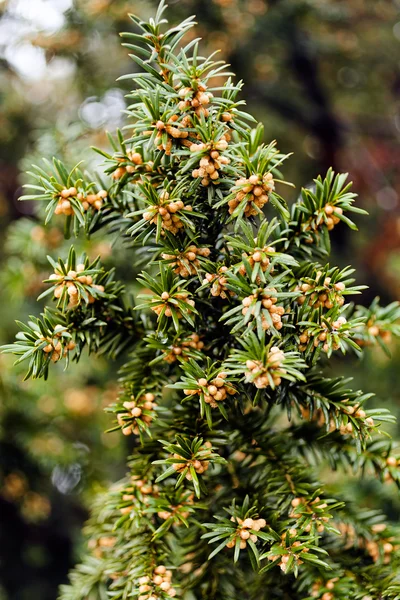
(328, 585)
(268, 301)
(227, 117)
(214, 391)
(318, 521)
(219, 281)
(94, 200)
(186, 263)
(174, 130)
(157, 585)
(304, 338)
(72, 290)
(332, 219)
(344, 429)
(375, 548)
(320, 337)
(104, 543)
(166, 297)
(168, 211)
(358, 413)
(289, 553)
(200, 466)
(64, 206)
(211, 163)
(146, 489)
(315, 223)
(257, 188)
(54, 347)
(348, 532)
(135, 407)
(166, 514)
(195, 99)
(135, 158)
(182, 348)
(374, 330)
(259, 256)
(257, 373)
(325, 298)
(319, 418)
(244, 533)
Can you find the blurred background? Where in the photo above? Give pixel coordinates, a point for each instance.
(324, 77)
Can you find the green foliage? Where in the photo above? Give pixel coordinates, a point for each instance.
(190, 457)
(67, 192)
(246, 322)
(170, 300)
(42, 341)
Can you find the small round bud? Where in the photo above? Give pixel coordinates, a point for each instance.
(248, 523)
(373, 330)
(165, 586)
(221, 145)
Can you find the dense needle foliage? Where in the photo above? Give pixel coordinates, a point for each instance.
(225, 385)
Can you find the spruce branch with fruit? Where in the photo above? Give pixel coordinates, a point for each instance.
(224, 385)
